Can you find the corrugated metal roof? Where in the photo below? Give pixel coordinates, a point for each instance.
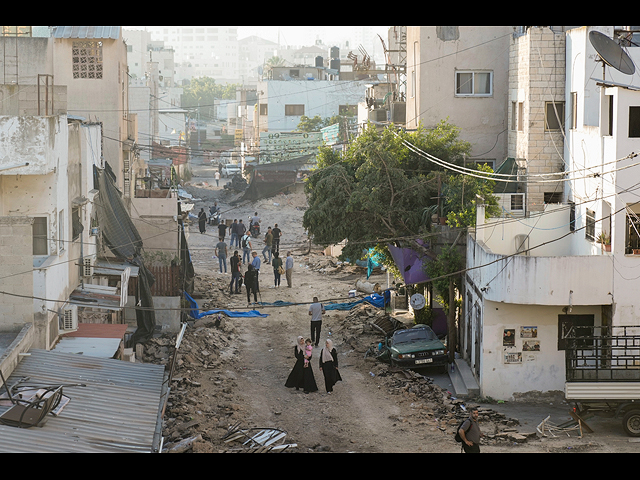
(118, 411)
(86, 32)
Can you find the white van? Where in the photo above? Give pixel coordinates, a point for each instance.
(230, 169)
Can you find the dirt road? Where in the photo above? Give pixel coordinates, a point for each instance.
(233, 370)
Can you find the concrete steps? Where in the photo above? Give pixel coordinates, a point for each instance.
(462, 380)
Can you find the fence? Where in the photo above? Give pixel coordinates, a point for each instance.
(167, 282)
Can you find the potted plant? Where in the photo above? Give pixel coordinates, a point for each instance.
(605, 240)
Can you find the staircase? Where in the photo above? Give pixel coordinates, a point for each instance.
(462, 380)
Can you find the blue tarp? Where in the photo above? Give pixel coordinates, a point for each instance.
(374, 299)
(196, 313)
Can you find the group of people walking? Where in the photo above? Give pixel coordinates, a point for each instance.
(302, 377)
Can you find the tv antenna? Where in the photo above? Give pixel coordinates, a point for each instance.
(611, 53)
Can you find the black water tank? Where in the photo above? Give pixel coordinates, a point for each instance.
(319, 61)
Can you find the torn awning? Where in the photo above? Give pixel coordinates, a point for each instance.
(410, 263)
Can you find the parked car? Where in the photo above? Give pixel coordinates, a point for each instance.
(415, 347)
(230, 169)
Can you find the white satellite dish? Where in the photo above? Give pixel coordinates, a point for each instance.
(417, 301)
(611, 53)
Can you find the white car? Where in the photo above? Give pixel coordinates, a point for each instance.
(230, 169)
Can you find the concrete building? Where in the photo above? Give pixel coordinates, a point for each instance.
(460, 74)
(532, 280)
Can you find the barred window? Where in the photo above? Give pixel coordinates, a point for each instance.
(87, 59)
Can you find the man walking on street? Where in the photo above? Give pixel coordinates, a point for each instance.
(288, 268)
(234, 233)
(268, 242)
(470, 433)
(236, 274)
(277, 233)
(256, 266)
(221, 253)
(245, 243)
(316, 309)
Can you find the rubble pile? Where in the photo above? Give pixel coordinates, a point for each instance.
(201, 403)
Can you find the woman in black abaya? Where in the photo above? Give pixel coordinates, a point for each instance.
(301, 376)
(329, 366)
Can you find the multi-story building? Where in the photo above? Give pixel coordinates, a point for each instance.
(531, 281)
(460, 74)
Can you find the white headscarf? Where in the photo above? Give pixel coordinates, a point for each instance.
(300, 349)
(326, 352)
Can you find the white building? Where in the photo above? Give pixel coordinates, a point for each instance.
(282, 103)
(530, 280)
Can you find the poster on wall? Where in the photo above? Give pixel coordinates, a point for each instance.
(531, 345)
(528, 332)
(513, 357)
(509, 337)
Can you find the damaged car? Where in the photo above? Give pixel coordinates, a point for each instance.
(415, 347)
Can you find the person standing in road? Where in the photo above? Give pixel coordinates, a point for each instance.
(301, 377)
(234, 233)
(242, 228)
(470, 433)
(288, 268)
(329, 366)
(277, 233)
(316, 309)
(250, 283)
(236, 274)
(221, 253)
(217, 177)
(256, 266)
(277, 265)
(268, 242)
(222, 229)
(245, 243)
(202, 220)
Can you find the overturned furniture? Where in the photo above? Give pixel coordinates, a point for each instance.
(32, 411)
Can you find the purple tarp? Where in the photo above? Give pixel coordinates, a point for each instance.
(410, 264)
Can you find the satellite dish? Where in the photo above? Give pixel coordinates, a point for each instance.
(611, 53)
(417, 301)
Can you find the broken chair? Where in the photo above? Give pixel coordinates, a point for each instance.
(26, 413)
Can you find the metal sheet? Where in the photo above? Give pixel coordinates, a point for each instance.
(118, 411)
(86, 32)
(602, 390)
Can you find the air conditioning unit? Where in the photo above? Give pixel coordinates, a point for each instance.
(87, 267)
(70, 318)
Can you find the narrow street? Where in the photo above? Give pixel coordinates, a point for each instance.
(373, 410)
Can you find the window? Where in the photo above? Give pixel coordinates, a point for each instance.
(293, 110)
(575, 326)
(552, 197)
(634, 122)
(474, 84)
(76, 223)
(590, 230)
(521, 116)
(517, 202)
(574, 111)
(514, 115)
(87, 59)
(553, 116)
(264, 109)
(40, 236)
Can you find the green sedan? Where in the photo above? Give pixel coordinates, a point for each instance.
(415, 347)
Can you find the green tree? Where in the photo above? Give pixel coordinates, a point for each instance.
(205, 91)
(377, 190)
(462, 193)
